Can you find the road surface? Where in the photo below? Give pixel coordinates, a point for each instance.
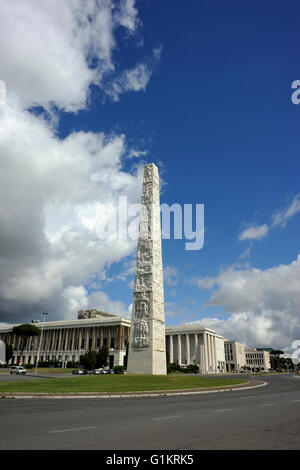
(262, 418)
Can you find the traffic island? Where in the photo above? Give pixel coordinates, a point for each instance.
(120, 386)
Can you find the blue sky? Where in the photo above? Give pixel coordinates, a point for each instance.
(212, 108)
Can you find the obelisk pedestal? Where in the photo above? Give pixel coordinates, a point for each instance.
(147, 348)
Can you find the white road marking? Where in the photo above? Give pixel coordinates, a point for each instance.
(73, 429)
(267, 404)
(224, 409)
(167, 417)
(294, 401)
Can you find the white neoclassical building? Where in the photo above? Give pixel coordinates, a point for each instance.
(194, 344)
(67, 340)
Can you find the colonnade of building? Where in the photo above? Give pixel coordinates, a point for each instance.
(67, 341)
(203, 348)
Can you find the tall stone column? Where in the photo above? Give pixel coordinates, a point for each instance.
(207, 352)
(171, 349)
(188, 350)
(195, 356)
(147, 348)
(179, 350)
(202, 358)
(212, 353)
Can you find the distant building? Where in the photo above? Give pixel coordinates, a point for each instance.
(234, 355)
(93, 313)
(258, 359)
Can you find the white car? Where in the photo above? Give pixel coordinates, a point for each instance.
(77, 372)
(18, 370)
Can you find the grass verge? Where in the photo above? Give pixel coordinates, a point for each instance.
(114, 384)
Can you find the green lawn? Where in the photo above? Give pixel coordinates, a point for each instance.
(114, 384)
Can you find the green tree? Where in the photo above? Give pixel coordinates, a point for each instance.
(9, 352)
(275, 360)
(25, 331)
(102, 357)
(88, 360)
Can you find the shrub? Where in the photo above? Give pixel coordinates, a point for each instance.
(73, 364)
(118, 369)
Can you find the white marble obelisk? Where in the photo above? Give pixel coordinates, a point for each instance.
(147, 346)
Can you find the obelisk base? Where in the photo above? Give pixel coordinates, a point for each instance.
(146, 363)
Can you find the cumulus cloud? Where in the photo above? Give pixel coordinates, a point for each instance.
(52, 50)
(52, 191)
(263, 305)
(254, 233)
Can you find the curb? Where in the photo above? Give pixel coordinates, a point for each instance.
(162, 393)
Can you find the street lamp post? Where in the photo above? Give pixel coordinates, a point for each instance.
(40, 343)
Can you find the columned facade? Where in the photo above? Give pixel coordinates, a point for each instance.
(193, 344)
(68, 340)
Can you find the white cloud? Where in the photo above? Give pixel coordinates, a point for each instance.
(282, 216)
(101, 298)
(51, 190)
(2, 92)
(135, 79)
(254, 233)
(263, 304)
(279, 219)
(52, 51)
(171, 276)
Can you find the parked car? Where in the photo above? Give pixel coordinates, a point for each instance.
(77, 372)
(104, 371)
(18, 370)
(96, 371)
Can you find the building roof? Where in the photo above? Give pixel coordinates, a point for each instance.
(189, 328)
(78, 322)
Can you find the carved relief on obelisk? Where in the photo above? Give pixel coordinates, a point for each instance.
(147, 336)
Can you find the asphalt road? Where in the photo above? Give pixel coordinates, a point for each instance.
(6, 376)
(262, 418)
